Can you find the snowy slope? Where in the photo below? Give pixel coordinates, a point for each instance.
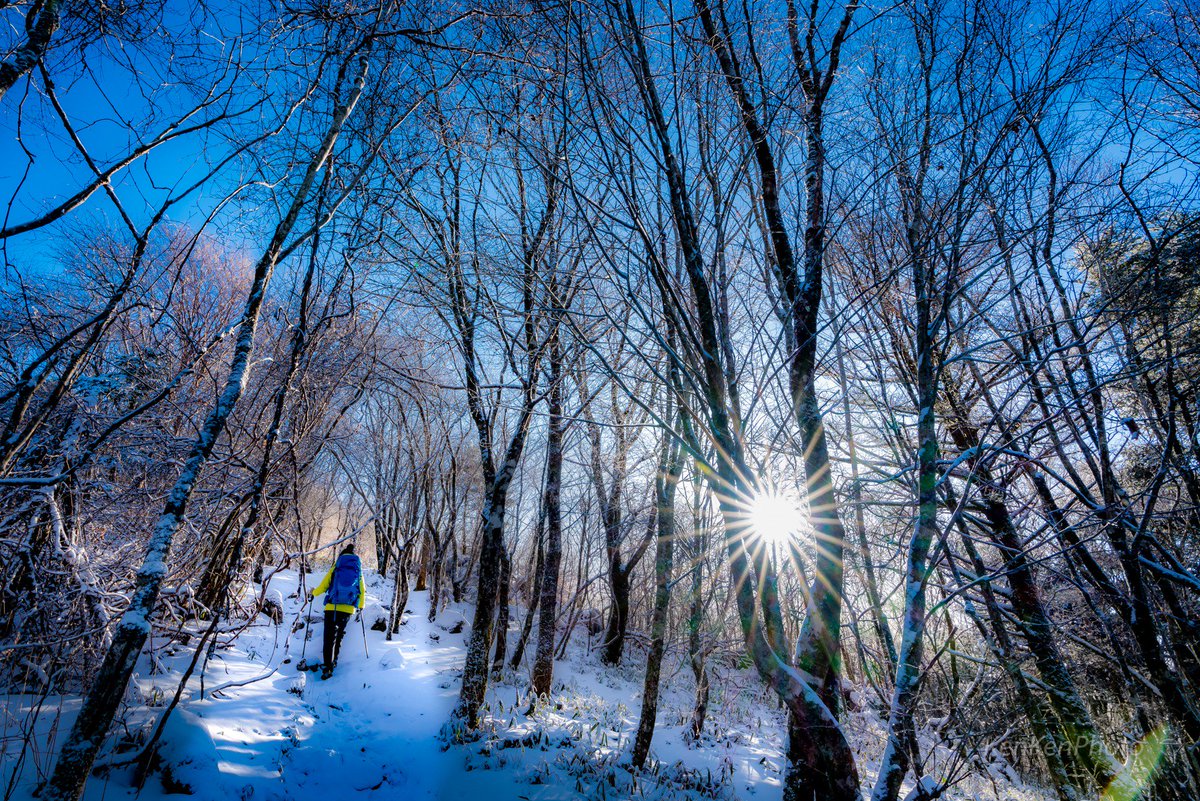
(265, 731)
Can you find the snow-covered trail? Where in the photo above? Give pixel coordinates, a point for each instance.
(376, 721)
(372, 726)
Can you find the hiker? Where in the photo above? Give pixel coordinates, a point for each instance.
(346, 595)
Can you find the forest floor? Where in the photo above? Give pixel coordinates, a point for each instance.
(264, 730)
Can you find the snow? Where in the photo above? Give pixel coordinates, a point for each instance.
(263, 730)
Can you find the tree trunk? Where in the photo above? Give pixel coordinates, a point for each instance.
(618, 615)
(534, 597)
(443, 570)
(695, 620)
(458, 579)
(821, 762)
(399, 594)
(383, 542)
(696, 657)
(475, 668)
(669, 468)
(40, 24)
(423, 564)
(502, 613)
(901, 733)
(543, 661)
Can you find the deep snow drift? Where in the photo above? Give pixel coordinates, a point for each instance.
(264, 730)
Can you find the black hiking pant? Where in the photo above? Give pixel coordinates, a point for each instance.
(335, 630)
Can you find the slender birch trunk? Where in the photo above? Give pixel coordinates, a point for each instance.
(543, 661)
(670, 466)
(695, 620)
(895, 762)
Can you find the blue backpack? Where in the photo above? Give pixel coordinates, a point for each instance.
(343, 586)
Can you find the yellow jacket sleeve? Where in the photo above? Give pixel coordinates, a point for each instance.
(324, 585)
(362, 592)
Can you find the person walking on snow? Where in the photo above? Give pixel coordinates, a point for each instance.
(345, 594)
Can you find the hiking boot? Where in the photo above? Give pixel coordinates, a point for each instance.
(326, 672)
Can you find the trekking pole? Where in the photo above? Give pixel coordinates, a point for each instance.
(364, 631)
(304, 643)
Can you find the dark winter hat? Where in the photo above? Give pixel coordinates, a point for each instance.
(348, 549)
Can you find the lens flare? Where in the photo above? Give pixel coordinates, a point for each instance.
(1138, 774)
(774, 517)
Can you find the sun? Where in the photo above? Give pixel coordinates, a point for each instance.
(774, 517)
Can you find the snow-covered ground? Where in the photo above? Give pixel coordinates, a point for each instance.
(263, 730)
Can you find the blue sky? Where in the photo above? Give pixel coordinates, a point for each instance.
(118, 95)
